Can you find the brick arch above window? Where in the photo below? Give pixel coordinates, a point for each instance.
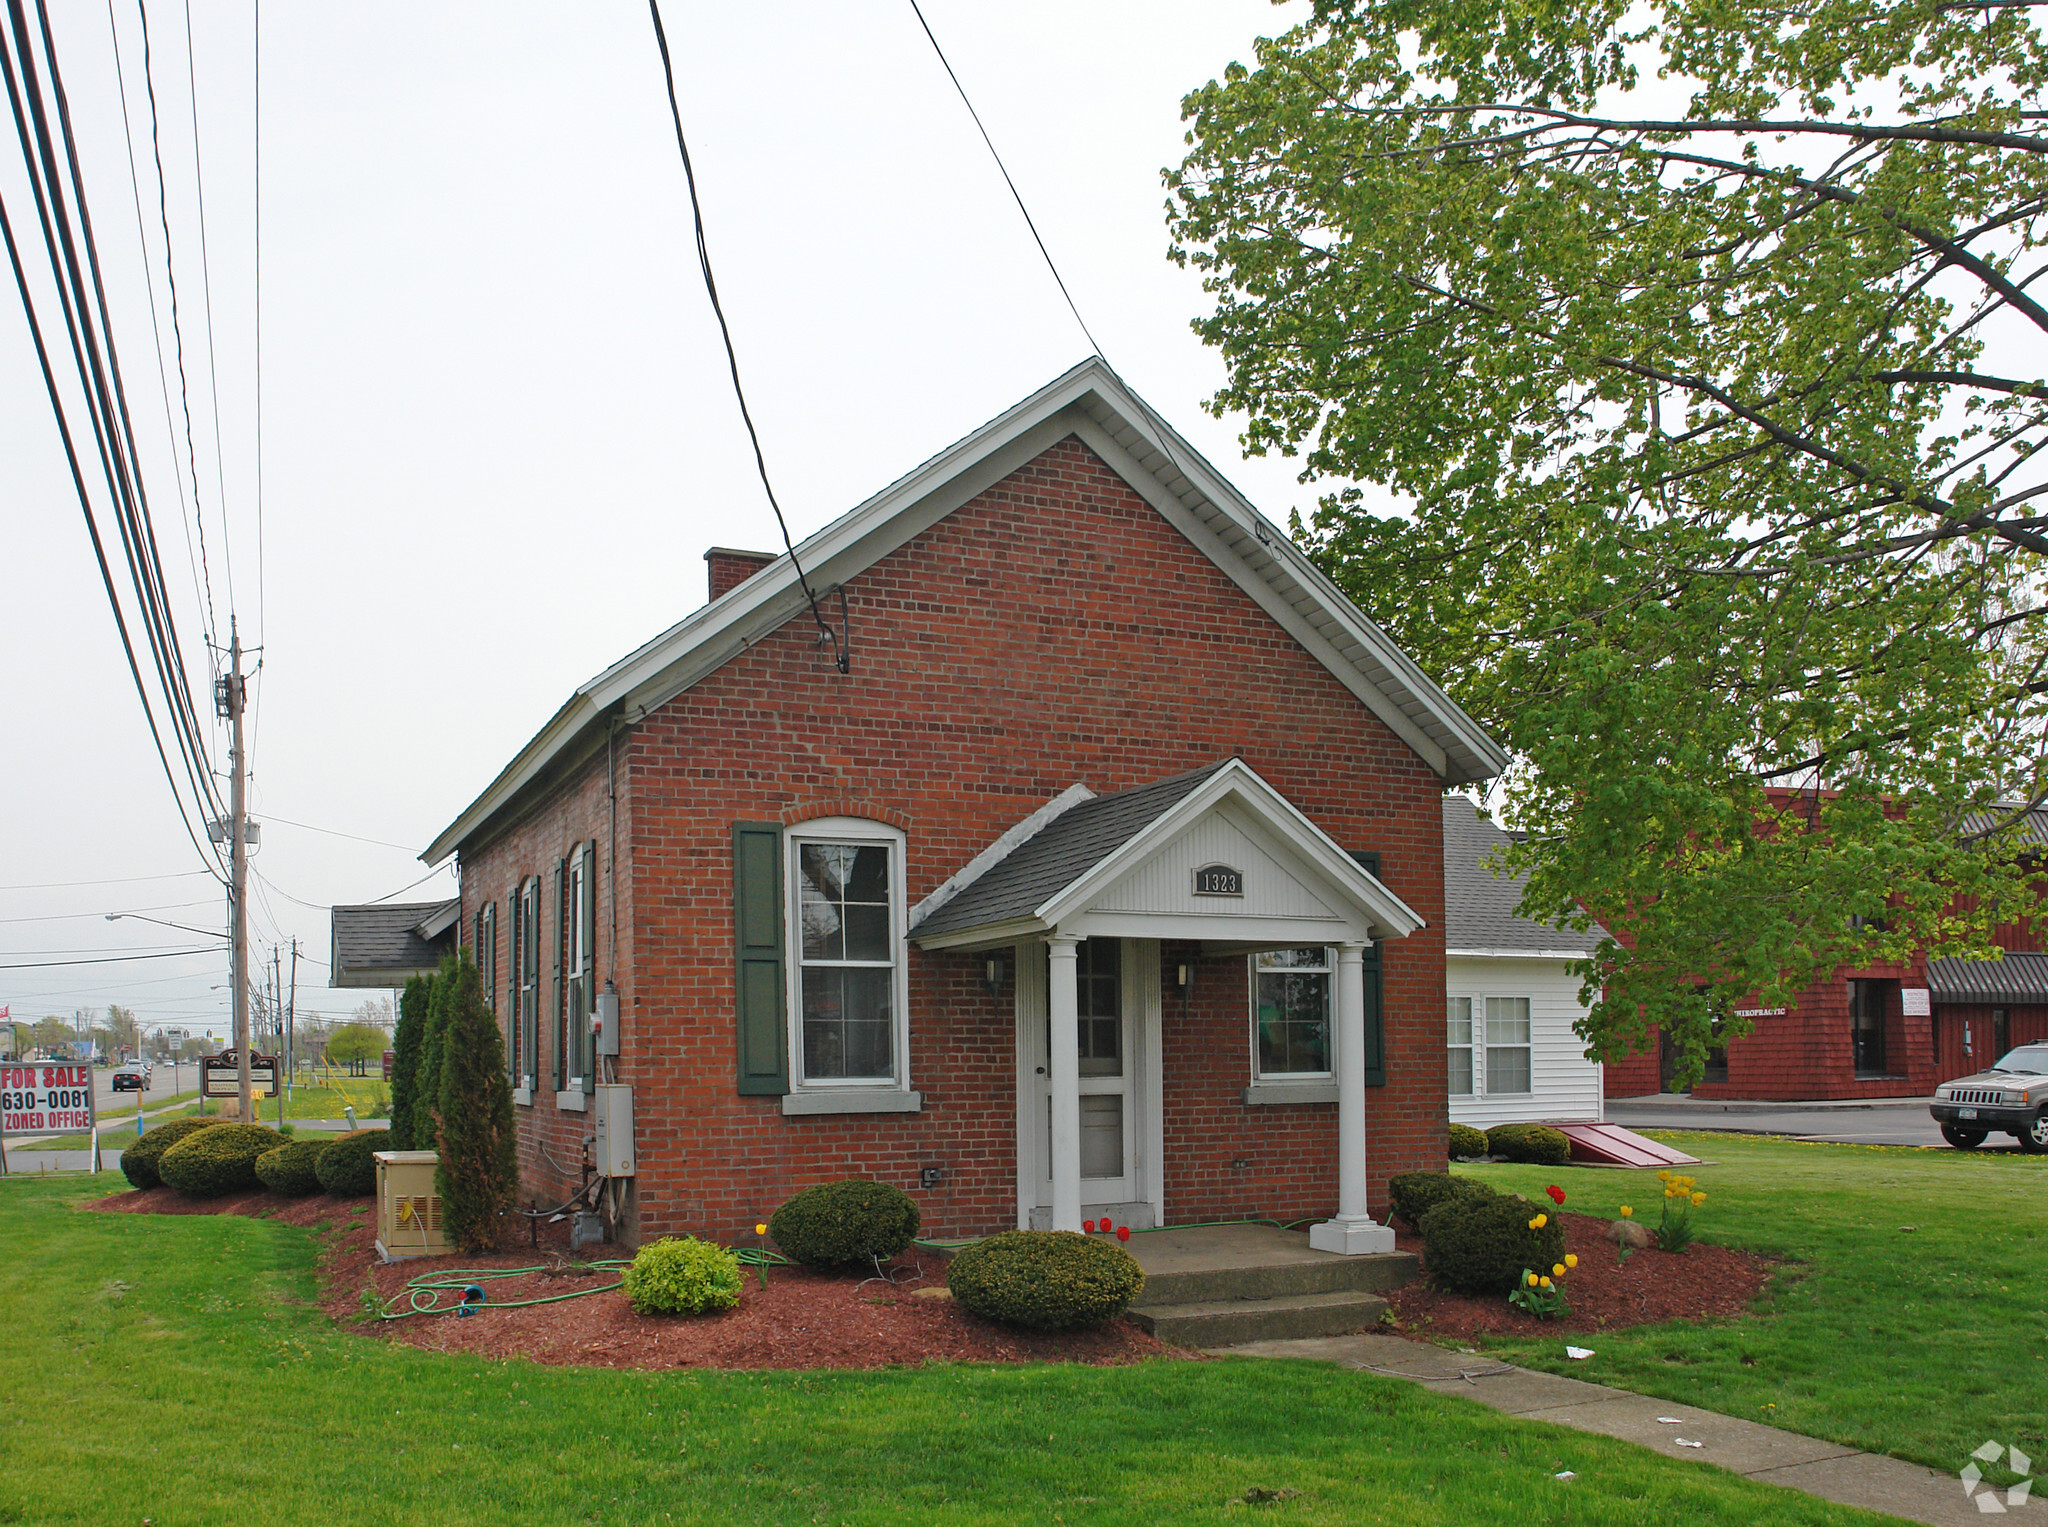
(845, 806)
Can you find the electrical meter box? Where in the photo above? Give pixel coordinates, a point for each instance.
(614, 1144)
(604, 1022)
(408, 1208)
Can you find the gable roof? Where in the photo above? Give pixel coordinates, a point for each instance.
(1091, 402)
(1479, 906)
(1061, 870)
(386, 943)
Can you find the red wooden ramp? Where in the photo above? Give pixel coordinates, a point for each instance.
(1611, 1145)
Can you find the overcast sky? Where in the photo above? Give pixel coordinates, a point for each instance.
(497, 429)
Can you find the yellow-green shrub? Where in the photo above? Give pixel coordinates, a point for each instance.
(682, 1277)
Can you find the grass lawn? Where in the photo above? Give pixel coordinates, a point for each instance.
(1922, 1342)
(173, 1369)
(306, 1102)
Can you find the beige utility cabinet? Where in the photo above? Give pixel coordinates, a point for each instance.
(408, 1208)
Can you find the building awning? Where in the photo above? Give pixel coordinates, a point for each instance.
(1216, 855)
(2017, 978)
(387, 944)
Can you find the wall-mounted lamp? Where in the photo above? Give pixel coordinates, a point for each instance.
(992, 977)
(1183, 976)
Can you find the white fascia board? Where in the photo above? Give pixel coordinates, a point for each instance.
(1518, 954)
(1015, 930)
(1013, 838)
(1239, 780)
(561, 730)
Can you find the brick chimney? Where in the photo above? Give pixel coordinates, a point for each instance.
(727, 569)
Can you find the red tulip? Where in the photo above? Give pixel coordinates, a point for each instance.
(1088, 1225)
(1123, 1232)
(1556, 1193)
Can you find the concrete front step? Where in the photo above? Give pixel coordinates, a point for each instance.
(1231, 1322)
(1288, 1272)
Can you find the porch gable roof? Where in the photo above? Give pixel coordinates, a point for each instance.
(1097, 848)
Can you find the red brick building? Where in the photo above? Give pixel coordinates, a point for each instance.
(1108, 759)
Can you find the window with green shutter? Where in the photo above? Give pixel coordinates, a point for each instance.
(758, 958)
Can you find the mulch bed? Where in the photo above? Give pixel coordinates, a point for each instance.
(1701, 1282)
(802, 1319)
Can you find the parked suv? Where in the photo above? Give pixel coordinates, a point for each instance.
(131, 1078)
(2012, 1097)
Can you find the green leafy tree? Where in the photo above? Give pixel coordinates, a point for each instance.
(1697, 348)
(413, 1003)
(478, 1174)
(355, 1042)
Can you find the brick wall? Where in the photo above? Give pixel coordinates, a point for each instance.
(1053, 630)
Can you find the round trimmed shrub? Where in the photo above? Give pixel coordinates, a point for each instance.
(210, 1162)
(840, 1224)
(289, 1168)
(1467, 1143)
(1047, 1280)
(139, 1161)
(347, 1168)
(1533, 1143)
(682, 1277)
(1483, 1245)
(1414, 1194)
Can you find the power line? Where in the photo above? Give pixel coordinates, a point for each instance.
(841, 657)
(116, 959)
(67, 885)
(333, 833)
(66, 917)
(206, 294)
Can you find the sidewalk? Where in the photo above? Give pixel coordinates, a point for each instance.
(1763, 1453)
(1682, 1102)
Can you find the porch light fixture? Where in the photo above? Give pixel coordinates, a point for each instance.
(1183, 976)
(992, 977)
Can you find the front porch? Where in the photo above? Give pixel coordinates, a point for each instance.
(1223, 1285)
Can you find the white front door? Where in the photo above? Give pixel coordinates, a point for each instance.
(1117, 1037)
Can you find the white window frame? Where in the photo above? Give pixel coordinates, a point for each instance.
(578, 975)
(526, 977)
(851, 1094)
(1471, 1050)
(1262, 1077)
(1527, 1046)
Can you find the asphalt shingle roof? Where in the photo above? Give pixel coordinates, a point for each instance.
(1060, 853)
(1479, 906)
(2019, 977)
(380, 944)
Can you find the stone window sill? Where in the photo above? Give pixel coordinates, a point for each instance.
(523, 1096)
(571, 1102)
(879, 1100)
(1261, 1094)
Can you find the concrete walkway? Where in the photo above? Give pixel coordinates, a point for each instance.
(1825, 1469)
(1847, 1121)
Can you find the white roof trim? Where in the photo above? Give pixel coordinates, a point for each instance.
(1518, 954)
(1089, 400)
(1017, 835)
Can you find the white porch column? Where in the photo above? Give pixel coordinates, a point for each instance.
(1063, 1075)
(1354, 1232)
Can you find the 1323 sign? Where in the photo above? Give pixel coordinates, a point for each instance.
(1219, 880)
(45, 1098)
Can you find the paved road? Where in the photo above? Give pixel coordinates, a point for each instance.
(1875, 1121)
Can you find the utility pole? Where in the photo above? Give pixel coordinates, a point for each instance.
(291, 1021)
(229, 699)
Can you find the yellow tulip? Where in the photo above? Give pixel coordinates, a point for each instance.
(1542, 1220)
(1698, 1199)
(1571, 1259)
(1546, 1283)
(760, 1230)
(1664, 1176)
(1627, 1212)
(1532, 1280)
(1557, 1269)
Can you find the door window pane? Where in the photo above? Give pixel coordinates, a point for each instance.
(1291, 1011)
(1507, 1044)
(1458, 1031)
(1098, 974)
(1102, 1134)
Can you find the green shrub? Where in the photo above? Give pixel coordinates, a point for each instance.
(840, 1224)
(1467, 1143)
(1048, 1280)
(1532, 1143)
(682, 1277)
(1481, 1245)
(1416, 1193)
(139, 1161)
(210, 1162)
(478, 1175)
(289, 1168)
(347, 1168)
(405, 1058)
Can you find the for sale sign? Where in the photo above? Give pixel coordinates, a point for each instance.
(47, 1098)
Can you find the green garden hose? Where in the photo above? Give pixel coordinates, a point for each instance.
(423, 1293)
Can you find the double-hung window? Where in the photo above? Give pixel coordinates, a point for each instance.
(848, 998)
(575, 1070)
(1292, 1004)
(487, 953)
(1458, 1039)
(526, 983)
(1507, 1045)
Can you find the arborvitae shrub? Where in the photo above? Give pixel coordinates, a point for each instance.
(1483, 1245)
(1414, 1194)
(1532, 1143)
(1467, 1142)
(289, 1168)
(426, 1099)
(841, 1224)
(348, 1167)
(405, 1058)
(478, 1176)
(682, 1277)
(139, 1161)
(1047, 1280)
(210, 1162)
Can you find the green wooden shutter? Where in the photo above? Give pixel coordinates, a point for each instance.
(757, 952)
(561, 1001)
(1375, 991)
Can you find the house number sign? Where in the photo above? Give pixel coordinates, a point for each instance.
(1219, 880)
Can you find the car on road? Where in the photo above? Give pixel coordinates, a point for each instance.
(134, 1077)
(2012, 1097)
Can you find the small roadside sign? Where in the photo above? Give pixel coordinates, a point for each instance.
(48, 1098)
(221, 1078)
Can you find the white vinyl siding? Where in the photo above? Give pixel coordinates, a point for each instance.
(1561, 1082)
